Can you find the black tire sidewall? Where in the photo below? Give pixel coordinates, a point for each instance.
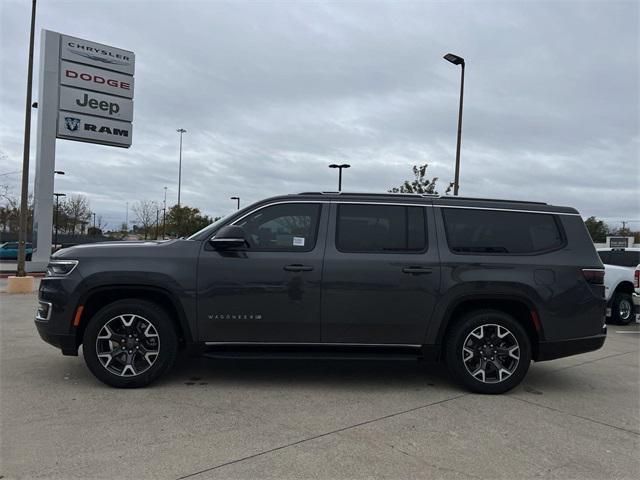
(459, 333)
(615, 308)
(154, 314)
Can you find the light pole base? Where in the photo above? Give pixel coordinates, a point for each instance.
(20, 284)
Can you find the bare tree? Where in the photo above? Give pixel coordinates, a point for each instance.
(77, 212)
(145, 212)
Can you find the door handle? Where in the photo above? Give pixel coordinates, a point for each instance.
(417, 270)
(298, 268)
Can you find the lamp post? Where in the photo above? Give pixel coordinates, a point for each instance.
(340, 167)
(180, 131)
(24, 193)
(57, 195)
(237, 199)
(456, 60)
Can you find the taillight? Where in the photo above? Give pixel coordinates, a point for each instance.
(636, 278)
(594, 275)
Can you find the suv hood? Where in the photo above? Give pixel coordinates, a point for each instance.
(116, 248)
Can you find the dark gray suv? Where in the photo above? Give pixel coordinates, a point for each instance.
(484, 285)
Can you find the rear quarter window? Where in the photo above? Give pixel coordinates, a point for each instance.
(622, 258)
(501, 232)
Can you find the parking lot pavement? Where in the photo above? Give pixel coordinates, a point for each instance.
(572, 418)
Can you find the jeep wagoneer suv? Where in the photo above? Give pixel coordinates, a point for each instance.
(484, 285)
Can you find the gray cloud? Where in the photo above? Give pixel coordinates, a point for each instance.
(271, 93)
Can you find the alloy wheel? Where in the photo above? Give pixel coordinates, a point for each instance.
(491, 353)
(624, 309)
(128, 345)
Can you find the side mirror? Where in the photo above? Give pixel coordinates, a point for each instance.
(230, 236)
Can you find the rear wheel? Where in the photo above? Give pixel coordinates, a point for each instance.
(622, 308)
(488, 351)
(129, 343)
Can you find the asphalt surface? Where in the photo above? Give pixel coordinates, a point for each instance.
(572, 418)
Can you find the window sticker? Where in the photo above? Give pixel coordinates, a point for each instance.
(298, 241)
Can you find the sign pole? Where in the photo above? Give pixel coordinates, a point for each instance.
(45, 149)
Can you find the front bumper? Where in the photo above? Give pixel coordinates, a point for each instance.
(57, 300)
(65, 342)
(573, 346)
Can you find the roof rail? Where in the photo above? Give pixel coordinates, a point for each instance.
(369, 194)
(425, 195)
(494, 200)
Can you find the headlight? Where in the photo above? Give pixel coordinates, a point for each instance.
(61, 268)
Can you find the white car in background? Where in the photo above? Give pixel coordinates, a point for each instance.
(620, 266)
(636, 294)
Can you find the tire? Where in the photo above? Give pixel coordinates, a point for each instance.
(133, 355)
(622, 308)
(465, 351)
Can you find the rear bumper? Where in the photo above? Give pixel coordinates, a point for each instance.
(573, 346)
(636, 303)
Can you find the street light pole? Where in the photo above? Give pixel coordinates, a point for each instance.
(57, 195)
(457, 60)
(180, 131)
(340, 167)
(24, 194)
(238, 200)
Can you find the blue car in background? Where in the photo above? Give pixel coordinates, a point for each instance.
(9, 251)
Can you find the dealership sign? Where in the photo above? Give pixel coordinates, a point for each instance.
(95, 82)
(85, 94)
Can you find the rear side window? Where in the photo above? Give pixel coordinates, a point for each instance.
(623, 258)
(381, 229)
(500, 232)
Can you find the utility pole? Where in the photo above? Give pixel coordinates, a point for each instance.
(164, 215)
(24, 194)
(127, 218)
(180, 131)
(94, 222)
(157, 222)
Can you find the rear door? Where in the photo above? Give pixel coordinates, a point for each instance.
(381, 274)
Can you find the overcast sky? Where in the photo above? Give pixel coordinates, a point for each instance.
(271, 93)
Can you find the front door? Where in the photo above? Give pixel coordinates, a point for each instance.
(381, 274)
(270, 290)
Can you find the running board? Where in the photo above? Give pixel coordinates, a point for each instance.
(313, 351)
(310, 356)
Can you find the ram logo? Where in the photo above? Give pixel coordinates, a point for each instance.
(72, 123)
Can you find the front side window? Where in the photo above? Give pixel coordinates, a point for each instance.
(288, 227)
(500, 232)
(381, 229)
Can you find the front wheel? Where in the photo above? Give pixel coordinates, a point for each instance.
(622, 308)
(488, 351)
(129, 343)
